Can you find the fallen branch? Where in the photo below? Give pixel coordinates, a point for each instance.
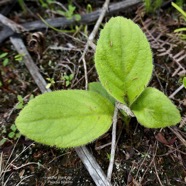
(63, 22)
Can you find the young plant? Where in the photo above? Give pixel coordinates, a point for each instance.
(13, 134)
(20, 103)
(152, 6)
(51, 82)
(4, 58)
(67, 79)
(71, 118)
(69, 13)
(19, 57)
(45, 4)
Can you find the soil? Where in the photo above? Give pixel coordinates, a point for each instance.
(147, 157)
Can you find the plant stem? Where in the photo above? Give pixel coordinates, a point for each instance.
(113, 145)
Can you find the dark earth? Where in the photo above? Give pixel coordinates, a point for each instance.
(144, 157)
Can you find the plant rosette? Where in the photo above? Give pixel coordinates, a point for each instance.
(71, 118)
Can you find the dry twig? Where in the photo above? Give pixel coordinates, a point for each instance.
(176, 91)
(91, 37)
(113, 144)
(14, 26)
(63, 22)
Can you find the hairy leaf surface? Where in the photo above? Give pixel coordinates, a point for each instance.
(123, 59)
(66, 118)
(97, 87)
(155, 110)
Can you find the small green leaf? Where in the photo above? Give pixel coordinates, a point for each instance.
(20, 98)
(20, 103)
(123, 59)
(61, 12)
(71, 9)
(71, 76)
(67, 83)
(11, 134)
(77, 17)
(19, 57)
(155, 110)
(184, 82)
(13, 128)
(5, 62)
(17, 135)
(31, 97)
(3, 55)
(3, 141)
(48, 85)
(67, 118)
(97, 87)
(19, 106)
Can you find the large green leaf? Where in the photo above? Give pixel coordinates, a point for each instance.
(97, 87)
(66, 118)
(155, 110)
(123, 59)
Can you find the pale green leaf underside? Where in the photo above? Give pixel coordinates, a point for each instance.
(155, 110)
(123, 59)
(66, 118)
(97, 87)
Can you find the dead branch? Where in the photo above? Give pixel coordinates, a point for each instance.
(3, 2)
(63, 22)
(11, 24)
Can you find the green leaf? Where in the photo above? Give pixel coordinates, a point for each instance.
(67, 83)
(3, 141)
(179, 9)
(48, 85)
(5, 62)
(97, 87)
(67, 118)
(61, 12)
(123, 59)
(17, 135)
(13, 128)
(20, 98)
(11, 134)
(20, 103)
(184, 82)
(19, 106)
(71, 9)
(77, 17)
(3, 55)
(155, 110)
(71, 76)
